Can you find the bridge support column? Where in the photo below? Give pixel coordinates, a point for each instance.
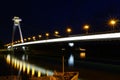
(17, 21)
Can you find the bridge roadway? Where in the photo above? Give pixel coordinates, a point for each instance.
(105, 36)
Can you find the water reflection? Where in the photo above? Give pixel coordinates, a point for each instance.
(8, 59)
(39, 74)
(71, 60)
(82, 55)
(24, 67)
(28, 68)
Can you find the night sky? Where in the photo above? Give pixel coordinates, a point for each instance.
(40, 16)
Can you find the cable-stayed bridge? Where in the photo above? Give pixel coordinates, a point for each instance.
(93, 37)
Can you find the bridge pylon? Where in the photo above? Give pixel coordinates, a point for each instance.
(17, 21)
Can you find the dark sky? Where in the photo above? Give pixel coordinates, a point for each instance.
(40, 16)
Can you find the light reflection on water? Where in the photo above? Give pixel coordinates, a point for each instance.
(27, 67)
(24, 66)
(71, 60)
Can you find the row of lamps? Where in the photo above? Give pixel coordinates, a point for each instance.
(86, 28)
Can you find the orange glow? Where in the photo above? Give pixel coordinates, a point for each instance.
(47, 34)
(34, 38)
(33, 71)
(15, 41)
(39, 74)
(56, 32)
(15, 63)
(112, 22)
(82, 49)
(28, 69)
(29, 38)
(24, 66)
(8, 59)
(69, 30)
(18, 41)
(86, 27)
(82, 55)
(18, 64)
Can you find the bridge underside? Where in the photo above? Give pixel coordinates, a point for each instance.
(101, 51)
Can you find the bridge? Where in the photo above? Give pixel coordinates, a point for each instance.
(105, 36)
(22, 64)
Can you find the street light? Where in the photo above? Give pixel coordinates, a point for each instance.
(18, 41)
(86, 28)
(34, 38)
(40, 36)
(69, 30)
(29, 38)
(56, 33)
(25, 39)
(112, 23)
(47, 35)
